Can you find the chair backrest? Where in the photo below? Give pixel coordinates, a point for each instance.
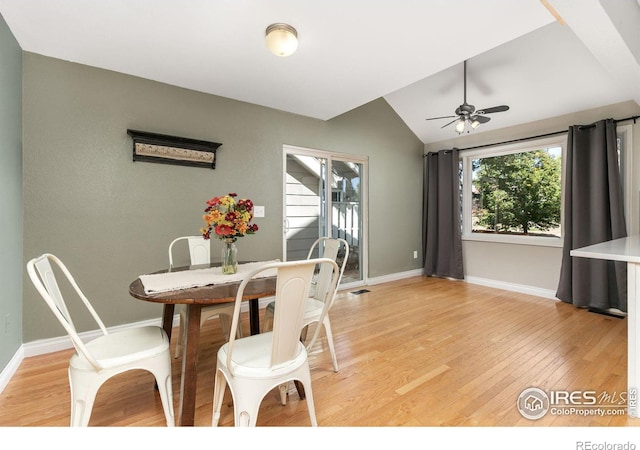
(44, 279)
(328, 247)
(199, 250)
(292, 289)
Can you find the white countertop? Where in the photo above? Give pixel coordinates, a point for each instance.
(623, 249)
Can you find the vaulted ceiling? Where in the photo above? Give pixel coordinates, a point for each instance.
(541, 57)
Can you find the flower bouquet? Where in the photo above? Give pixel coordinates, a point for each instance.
(228, 219)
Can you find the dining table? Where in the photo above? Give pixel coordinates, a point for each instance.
(195, 287)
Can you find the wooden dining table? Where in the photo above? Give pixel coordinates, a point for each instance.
(194, 298)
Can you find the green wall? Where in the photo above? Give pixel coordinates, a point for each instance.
(10, 195)
(111, 219)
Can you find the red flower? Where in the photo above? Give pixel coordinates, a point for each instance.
(224, 230)
(214, 201)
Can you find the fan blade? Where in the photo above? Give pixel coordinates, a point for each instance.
(481, 119)
(456, 119)
(493, 109)
(443, 117)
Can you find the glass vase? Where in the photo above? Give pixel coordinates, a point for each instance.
(229, 257)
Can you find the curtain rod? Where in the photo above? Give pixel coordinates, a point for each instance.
(634, 118)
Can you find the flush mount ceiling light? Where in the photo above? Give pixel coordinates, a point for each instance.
(282, 39)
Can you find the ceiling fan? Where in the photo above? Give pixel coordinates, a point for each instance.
(467, 114)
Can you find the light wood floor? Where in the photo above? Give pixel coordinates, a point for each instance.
(414, 352)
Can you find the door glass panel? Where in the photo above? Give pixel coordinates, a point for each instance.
(305, 201)
(346, 212)
(323, 198)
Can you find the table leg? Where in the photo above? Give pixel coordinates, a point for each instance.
(300, 389)
(188, 382)
(254, 316)
(167, 319)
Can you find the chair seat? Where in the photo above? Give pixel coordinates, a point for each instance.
(123, 347)
(252, 357)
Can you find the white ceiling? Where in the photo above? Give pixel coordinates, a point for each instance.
(354, 51)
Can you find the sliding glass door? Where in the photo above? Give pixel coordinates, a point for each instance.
(325, 195)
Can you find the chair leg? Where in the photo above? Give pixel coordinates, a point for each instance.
(218, 395)
(283, 388)
(225, 323)
(305, 379)
(268, 323)
(83, 395)
(162, 374)
(332, 350)
(246, 411)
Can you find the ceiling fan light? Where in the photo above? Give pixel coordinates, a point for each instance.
(282, 39)
(475, 124)
(460, 126)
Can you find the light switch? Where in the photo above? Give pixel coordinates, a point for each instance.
(258, 211)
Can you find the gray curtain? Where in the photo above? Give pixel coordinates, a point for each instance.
(593, 213)
(442, 240)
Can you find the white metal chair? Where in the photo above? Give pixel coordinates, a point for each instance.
(254, 365)
(200, 253)
(108, 355)
(322, 296)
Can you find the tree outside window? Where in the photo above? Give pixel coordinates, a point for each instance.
(518, 193)
(512, 193)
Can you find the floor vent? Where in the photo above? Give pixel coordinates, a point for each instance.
(361, 291)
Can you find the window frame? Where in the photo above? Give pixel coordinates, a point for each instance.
(501, 150)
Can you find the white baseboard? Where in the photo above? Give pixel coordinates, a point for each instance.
(523, 289)
(513, 287)
(11, 368)
(394, 277)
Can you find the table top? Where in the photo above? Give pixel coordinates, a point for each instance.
(624, 249)
(205, 295)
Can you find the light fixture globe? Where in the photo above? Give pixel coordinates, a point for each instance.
(282, 39)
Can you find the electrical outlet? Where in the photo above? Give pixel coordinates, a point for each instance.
(258, 211)
(415, 254)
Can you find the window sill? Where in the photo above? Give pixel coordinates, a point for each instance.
(516, 240)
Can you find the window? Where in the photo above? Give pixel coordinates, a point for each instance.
(513, 193)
